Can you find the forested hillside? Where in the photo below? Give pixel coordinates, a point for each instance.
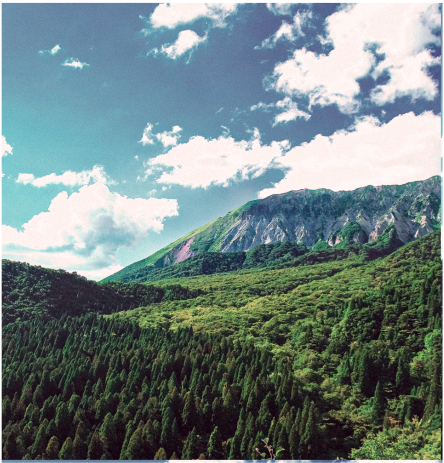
(29, 290)
(341, 358)
(271, 256)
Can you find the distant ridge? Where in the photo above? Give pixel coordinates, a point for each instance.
(315, 218)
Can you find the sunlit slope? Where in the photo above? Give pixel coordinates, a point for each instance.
(276, 306)
(317, 219)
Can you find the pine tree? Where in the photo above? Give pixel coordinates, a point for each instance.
(95, 449)
(249, 434)
(108, 435)
(52, 449)
(308, 439)
(160, 454)
(66, 450)
(190, 447)
(166, 438)
(293, 440)
(379, 402)
(135, 447)
(79, 447)
(235, 447)
(40, 440)
(189, 412)
(215, 451)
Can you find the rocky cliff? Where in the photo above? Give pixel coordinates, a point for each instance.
(311, 217)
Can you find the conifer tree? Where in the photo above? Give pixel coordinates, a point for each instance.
(79, 446)
(95, 448)
(190, 447)
(52, 449)
(189, 412)
(215, 451)
(134, 450)
(293, 440)
(160, 454)
(66, 450)
(379, 402)
(108, 435)
(235, 447)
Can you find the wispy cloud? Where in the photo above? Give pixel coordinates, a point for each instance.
(6, 148)
(280, 8)
(53, 51)
(287, 31)
(357, 33)
(167, 138)
(68, 178)
(290, 112)
(187, 41)
(74, 63)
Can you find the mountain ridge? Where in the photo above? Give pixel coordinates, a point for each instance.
(311, 218)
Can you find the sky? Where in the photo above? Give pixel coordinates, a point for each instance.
(126, 126)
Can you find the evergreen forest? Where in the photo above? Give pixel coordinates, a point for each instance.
(324, 354)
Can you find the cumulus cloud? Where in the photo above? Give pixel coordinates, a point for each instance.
(6, 148)
(407, 148)
(279, 9)
(74, 63)
(166, 138)
(171, 15)
(187, 41)
(359, 33)
(291, 112)
(53, 51)
(201, 162)
(85, 230)
(68, 178)
(287, 31)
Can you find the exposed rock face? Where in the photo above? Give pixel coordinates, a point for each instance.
(308, 216)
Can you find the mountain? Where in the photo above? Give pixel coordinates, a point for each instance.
(315, 218)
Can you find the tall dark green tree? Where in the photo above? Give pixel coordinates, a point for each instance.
(215, 450)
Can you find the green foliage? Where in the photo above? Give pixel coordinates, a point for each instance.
(29, 290)
(314, 357)
(411, 442)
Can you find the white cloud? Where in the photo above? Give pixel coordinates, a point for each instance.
(201, 162)
(68, 178)
(171, 15)
(169, 138)
(280, 8)
(356, 32)
(147, 136)
(287, 31)
(84, 231)
(166, 138)
(291, 111)
(408, 148)
(6, 148)
(187, 41)
(74, 63)
(53, 51)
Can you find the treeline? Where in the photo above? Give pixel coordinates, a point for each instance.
(28, 291)
(272, 256)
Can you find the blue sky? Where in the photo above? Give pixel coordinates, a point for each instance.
(125, 126)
